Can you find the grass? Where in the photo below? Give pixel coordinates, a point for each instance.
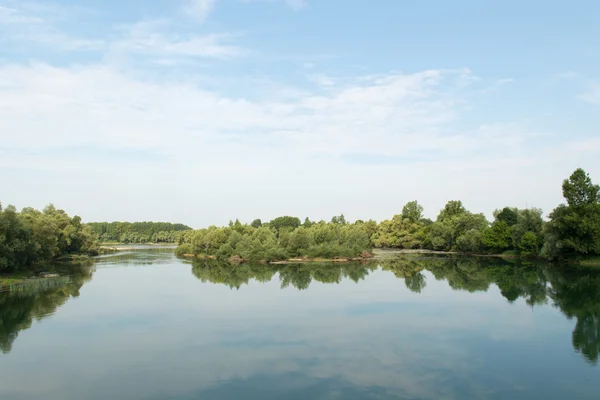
(8, 282)
(29, 284)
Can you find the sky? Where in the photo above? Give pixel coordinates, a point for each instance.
(202, 111)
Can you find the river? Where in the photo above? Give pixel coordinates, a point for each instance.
(142, 324)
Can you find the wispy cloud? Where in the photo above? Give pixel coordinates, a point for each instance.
(592, 94)
(297, 4)
(163, 38)
(28, 23)
(294, 4)
(199, 9)
(498, 84)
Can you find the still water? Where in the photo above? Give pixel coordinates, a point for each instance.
(142, 324)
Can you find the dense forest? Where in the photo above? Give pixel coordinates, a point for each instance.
(572, 231)
(138, 232)
(31, 237)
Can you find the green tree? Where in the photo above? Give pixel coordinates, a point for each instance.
(257, 223)
(498, 237)
(507, 215)
(450, 210)
(579, 190)
(528, 220)
(412, 210)
(284, 222)
(529, 244)
(339, 220)
(574, 229)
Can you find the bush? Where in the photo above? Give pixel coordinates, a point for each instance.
(184, 249)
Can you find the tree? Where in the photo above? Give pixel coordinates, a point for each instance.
(498, 237)
(285, 222)
(339, 220)
(469, 242)
(257, 223)
(574, 229)
(529, 244)
(507, 215)
(579, 190)
(530, 221)
(452, 208)
(412, 210)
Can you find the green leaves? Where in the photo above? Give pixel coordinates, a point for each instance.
(574, 229)
(32, 237)
(578, 190)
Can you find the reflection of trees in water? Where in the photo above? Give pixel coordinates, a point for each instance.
(299, 276)
(19, 309)
(575, 291)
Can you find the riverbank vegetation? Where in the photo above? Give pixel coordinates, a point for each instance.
(572, 232)
(138, 232)
(32, 238)
(281, 239)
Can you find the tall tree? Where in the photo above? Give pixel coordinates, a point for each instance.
(412, 210)
(452, 208)
(574, 229)
(579, 190)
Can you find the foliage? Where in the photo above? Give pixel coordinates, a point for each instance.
(574, 229)
(498, 237)
(507, 215)
(284, 222)
(283, 238)
(139, 232)
(31, 237)
(183, 249)
(452, 209)
(579, 190)
(413, 211)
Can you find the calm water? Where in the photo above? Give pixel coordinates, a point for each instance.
(144, 325)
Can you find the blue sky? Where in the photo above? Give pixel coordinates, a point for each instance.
(200, 111)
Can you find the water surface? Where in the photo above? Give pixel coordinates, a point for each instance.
(141, 324)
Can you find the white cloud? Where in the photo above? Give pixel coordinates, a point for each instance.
(90, 124)
(592, 94)
(136, 116)
(33, 23)
(565, 76)
(199, 9)
(28, 23)
(162, 38)
(497, 85)
(294, 4)
(297, 4)
(322, 80)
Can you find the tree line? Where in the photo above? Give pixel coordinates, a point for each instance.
(573, 230)
(32, 237)
(138, 232)
(280, 239)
